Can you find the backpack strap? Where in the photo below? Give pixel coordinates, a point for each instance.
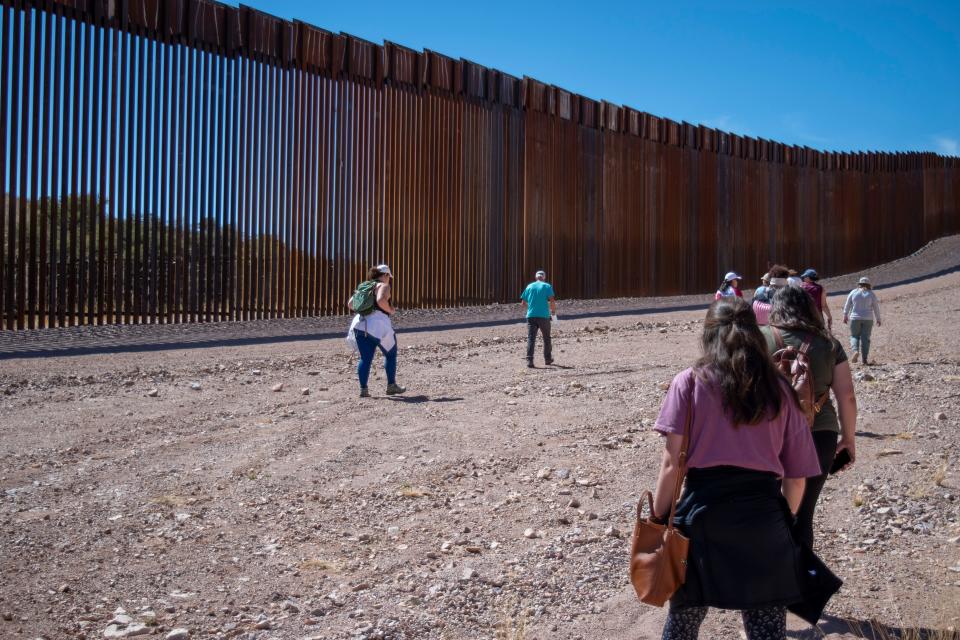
(822, 400)
(778, 337)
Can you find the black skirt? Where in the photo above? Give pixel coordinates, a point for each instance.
(742, 552)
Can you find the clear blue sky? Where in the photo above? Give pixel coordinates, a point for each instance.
(848, 75)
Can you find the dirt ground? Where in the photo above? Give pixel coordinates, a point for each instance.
(194, 492)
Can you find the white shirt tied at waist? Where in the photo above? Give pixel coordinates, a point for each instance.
(377, 325)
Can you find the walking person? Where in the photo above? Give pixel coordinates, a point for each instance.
(730, 287)
(540, 304)
(795, 322)
(372, 329)
(762, 293)
(793, 279)
(748, 454)
(819, 295)
(861, 310)
(777, 280)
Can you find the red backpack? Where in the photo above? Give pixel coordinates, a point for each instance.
(794, 363)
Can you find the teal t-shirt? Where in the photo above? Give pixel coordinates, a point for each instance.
(537, 295)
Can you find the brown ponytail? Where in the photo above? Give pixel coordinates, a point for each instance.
(735, 357)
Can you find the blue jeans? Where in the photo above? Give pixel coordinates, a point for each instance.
(368, 348)
(860, 336)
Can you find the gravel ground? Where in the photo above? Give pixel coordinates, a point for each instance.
(244, 491)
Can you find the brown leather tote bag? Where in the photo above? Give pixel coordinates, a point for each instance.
(658, 552)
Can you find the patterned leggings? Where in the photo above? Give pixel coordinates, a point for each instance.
(768, 623)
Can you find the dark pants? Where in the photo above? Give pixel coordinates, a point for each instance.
(767, 623)
(826, 444)
(367, 345)
(542, 325)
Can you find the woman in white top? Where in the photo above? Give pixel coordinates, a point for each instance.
(730, 287)
(371, 328)
(861, 310)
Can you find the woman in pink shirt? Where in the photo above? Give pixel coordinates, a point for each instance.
(749, 452)
(761, 305)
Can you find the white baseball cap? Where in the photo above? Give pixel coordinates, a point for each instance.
(541, 274)
(864, 280)
(384, 269)
(732, 275)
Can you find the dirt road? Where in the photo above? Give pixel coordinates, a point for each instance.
(246, 492)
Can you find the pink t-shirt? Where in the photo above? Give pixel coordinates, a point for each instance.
(782, 446)
(762, 311)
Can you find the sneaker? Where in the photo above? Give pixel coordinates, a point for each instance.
(394, 389)
(364, 392)
(855, 356)
(530, 364)
(548, 362)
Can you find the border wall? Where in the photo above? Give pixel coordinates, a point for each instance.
(185, 161)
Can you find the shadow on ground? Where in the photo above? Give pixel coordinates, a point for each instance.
(870, 630)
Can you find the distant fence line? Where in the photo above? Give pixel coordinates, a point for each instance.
(183, 161)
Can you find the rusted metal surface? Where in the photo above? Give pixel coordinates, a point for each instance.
(179, 161)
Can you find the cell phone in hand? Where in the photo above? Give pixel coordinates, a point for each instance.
(841, 460)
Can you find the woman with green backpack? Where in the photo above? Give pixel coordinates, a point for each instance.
(371, 328)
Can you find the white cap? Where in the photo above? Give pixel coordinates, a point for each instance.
(732, 275)
(541, 274)
(384, 269)
(864, 280)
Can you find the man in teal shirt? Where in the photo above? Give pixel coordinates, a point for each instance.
(540, 303)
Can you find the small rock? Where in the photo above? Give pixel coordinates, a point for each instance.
(940, 415)
(153, 393)
(178, 634)
(64, 588)
(574, 503)
(612, 532)
(129, 631)
(195, 386)
(544, 474)
(562, 474)
(304, 392)
(393, 532)
(531, 533)
(472, 549)
(277, 387)
(864, 376)
(468, 574)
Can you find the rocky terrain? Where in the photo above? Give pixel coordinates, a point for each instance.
(247, 492)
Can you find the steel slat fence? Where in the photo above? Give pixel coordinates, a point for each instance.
(169, 161)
